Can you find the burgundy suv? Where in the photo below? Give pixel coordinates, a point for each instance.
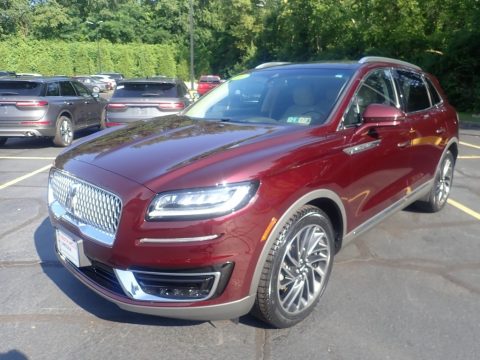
(240, 203)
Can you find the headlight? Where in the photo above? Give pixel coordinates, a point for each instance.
(201, 203)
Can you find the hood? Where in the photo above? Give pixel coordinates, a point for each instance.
(145, 150)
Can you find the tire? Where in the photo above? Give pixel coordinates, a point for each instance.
(63, 132)
(292, 282)
(103, 126)
(438, 196)
(3, 140)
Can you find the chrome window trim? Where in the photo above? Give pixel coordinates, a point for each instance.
(341, 125)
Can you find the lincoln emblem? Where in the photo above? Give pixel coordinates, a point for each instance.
(71, 200)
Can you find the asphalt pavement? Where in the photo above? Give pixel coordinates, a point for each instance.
(407, 289)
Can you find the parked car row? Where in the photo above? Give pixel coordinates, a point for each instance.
(56, 107)
(53, 107)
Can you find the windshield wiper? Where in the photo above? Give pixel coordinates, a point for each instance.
(151, 94)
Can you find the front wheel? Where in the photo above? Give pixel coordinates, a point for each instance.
(297, 269)
(63, 132)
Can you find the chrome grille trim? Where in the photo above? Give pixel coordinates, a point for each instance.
(93, 210)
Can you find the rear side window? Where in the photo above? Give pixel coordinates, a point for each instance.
(436, 99)
(414, 91)
(53, 89)
(81, 90)
(24, 88)
(146, 90)
(67, 89)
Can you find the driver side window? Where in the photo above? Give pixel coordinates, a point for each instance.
(377, 88)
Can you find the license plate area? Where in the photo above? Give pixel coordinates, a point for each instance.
(71, 248)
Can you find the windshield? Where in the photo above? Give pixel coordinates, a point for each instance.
(27, 88)
(281, 96)
(145, 90)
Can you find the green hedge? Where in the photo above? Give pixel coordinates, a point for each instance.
(49, 57)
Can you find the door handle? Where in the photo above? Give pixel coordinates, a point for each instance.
(68, 103)
(440, 130)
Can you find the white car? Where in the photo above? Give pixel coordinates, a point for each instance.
(106, 79)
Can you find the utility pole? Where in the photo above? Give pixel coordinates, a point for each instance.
(99, 55)
(192, 72)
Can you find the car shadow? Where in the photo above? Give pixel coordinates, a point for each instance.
(80, 294)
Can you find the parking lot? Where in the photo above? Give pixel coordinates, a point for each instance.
(407, 289)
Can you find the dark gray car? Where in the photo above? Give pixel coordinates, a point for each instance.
(47, 107)
(141, 99)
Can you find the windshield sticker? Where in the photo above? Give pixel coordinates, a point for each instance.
(301, 120)
(240, 77)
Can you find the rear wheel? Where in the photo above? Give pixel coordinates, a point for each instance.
(442, 186)
(3, 140)
(103, 120)
(64, 132)
(297, 269)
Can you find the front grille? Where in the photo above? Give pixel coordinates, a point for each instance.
(86, 203)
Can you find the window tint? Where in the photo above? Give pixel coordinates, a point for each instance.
(376, 89)
(81, 90)
(181, 90)
(210, 79)
(436, 99)
(53, 89)
(20, 88)
(414, 91)
(293, 97)
(67, 89)
(146, 90)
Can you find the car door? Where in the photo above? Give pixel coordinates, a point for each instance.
(91, 108)
(73, 103)
(427, 125)
(379, 164)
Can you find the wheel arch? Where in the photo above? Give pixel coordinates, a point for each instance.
(328, 201)
(67, 114)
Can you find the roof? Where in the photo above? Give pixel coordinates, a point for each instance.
(336, 64)
(152, 80)
(39, 79)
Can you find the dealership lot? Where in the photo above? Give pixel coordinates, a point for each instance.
(408, 289)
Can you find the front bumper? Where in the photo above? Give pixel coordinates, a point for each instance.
(27, 131)
(185, 249)
(112, 284)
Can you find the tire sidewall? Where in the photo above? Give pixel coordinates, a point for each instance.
(435, 206)
(58, 139)
(280, 317)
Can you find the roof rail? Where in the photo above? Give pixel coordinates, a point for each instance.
(270, 64)
(368, 59)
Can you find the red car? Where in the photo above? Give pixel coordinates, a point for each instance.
(207, 83)
(240, 202)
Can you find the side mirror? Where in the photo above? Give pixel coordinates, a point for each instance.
(382, 115)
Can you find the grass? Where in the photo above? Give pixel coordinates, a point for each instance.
(469, 118)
